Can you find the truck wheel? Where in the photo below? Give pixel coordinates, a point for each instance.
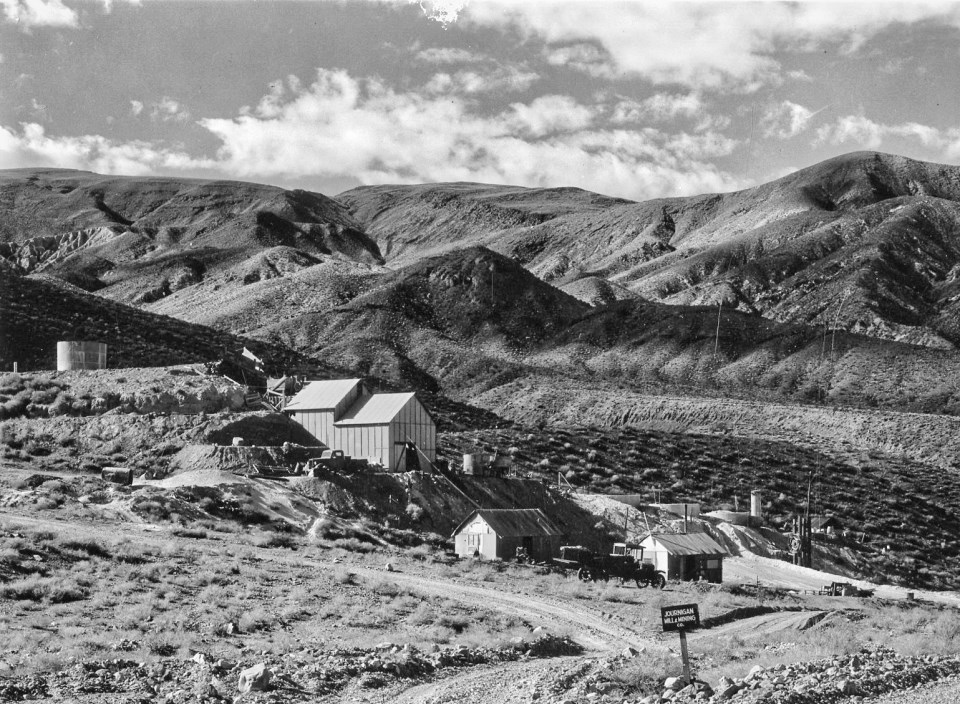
(583, 574)
(660, 581)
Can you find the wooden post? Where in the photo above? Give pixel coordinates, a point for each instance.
(683, 654)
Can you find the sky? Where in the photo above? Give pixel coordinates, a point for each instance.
(632, 99)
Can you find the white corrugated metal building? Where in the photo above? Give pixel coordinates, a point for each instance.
(685, 556)
(497, 533)
(343, 415)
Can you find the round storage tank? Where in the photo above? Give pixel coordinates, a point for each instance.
(81, 355)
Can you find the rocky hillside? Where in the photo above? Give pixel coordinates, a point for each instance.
(865, 242)
(473, 320)
(39, 312)
(139, 240)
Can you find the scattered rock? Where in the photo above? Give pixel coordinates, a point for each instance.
(254, 679)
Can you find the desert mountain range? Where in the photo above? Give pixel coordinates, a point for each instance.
(837, 283)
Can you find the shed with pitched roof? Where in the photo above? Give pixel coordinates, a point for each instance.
(685, 556)
(497, 533)
(393, 430)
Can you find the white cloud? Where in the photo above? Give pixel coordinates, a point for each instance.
(33, 147)
(38, 13)
(703, 45)
(340, 126)
(442, 11)
(448, 55)
(343, 126)
(136, 107)
(800, 75)
(785, 120)
(583, 56)
(549, 114)
(661, 107)
(467, 82)
(167, 110)
(864, 132)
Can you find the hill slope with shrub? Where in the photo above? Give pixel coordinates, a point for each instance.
(865, 242)
(138, 240)
(470, 321)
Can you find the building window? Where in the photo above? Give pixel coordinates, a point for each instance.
(713, 564)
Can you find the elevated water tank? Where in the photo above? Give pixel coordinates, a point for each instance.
(81, 355)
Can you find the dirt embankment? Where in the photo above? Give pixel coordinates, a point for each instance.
(432, 503)
(182, 389)
(146, 442)
(932, 439)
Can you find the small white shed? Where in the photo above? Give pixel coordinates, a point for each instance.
(685, 556)
(497, 533)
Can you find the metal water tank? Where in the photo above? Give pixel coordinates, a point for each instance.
(756, 505)
(81, 355)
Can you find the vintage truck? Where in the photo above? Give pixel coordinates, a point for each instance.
(591, 567)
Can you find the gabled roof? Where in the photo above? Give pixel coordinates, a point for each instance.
(321, 395)
(513, 522)
(688, 543)
(374, 410)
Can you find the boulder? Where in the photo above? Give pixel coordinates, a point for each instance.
(254, 679)
(847, 687)
(674, 683)
(727, 692)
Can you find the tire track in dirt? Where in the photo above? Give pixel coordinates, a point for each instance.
(597, 631)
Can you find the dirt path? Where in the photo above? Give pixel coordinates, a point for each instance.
(595, 629)
(760, 625)
(516, 683)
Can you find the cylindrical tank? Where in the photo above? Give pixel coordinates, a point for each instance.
(468, 464)
(81, 355)
(756, 508)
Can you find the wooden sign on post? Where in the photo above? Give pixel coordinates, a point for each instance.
(681, 618)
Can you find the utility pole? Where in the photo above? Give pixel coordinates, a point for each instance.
(836, 321)
(716, 338)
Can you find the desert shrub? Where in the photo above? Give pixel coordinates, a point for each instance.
(49, 590)
(254, 620)
(276, 540)
(11, 384)
(354, 545)
(16, 406)
(414, 511)
(36, 449)
(645, 675)
(42, 397)
(198, 533)
(87, 547)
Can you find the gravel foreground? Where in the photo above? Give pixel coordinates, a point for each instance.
(404, 673)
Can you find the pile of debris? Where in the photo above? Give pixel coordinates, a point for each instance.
(867, 673)
(309, 672)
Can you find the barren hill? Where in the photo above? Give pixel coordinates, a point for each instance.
(140, 239)
(470, 321)
(865, 242)
(38, 312)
